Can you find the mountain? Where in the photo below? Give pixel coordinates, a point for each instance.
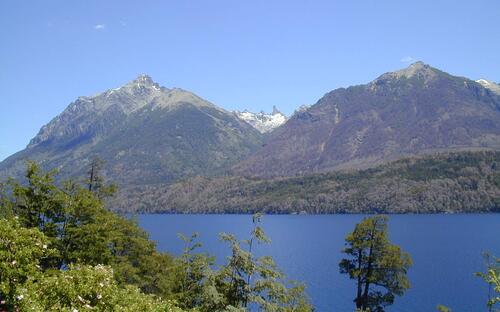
(263, 122)
(144, 132)
(495, 87)
(416, 110)
(439, 183)
(301, 108)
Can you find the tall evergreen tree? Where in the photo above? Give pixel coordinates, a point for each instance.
(378, 266)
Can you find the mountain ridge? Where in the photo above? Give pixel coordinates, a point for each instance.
(415, 110)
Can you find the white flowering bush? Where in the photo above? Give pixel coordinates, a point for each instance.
(21, 251)
(24, 286)
(87, 288)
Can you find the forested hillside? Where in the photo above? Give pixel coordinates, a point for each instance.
(444, 183)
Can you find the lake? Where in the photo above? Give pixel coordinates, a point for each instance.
(446, 251)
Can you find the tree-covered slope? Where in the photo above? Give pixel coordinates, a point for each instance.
(444, 183)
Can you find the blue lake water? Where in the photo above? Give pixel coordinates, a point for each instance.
(446, 251)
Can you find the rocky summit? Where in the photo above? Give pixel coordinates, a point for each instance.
(495, 87)
(145, 133)
(416, 110)
(262, 121)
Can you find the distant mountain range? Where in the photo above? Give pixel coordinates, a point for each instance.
(150, 136)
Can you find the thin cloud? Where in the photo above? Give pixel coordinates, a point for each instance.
(99, 27)
(407, 59)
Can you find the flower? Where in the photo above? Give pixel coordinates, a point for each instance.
(20, 297)
(99, 296)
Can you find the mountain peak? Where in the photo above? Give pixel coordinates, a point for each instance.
(276, 111)
(418, 64)
(142, 80)
(418, 69)
(415, 68)
(142, 85)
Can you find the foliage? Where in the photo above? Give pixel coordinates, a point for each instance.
(191, 283)
(87, 288)
(62, 250)
(248, 281)
(492, 277)
(78, 225)
(21, 252)
(442, 308)
(244, 282)
(136, 261)
(378, 266)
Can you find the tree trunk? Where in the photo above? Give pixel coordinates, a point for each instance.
(368, 273)
(91, 178)
(360, 281)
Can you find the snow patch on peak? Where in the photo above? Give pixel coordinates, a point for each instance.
(262, 121)
(484, 82)
(489, 85)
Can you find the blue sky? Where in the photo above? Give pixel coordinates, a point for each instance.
(237, 54)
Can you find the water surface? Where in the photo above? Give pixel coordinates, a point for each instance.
(446, 251)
